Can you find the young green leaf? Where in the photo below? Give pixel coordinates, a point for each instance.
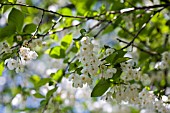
(1, 68)
(16, 17)
(50, 92)
(58, 75)
(38, 95)
(42, 82)
(7, 31)
(29, 28)
(57, 52)
(101, 87)
(66, 41)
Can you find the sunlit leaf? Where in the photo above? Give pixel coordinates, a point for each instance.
(16, 17)
(66, 41)
(50, 93)
(1, 68)
(29, 28)
(101, 87)
(57, 76)
(57, 52)
(38, 95)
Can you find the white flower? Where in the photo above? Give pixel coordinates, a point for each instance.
(107, 96)
(85, 41)
(86, 79)
(109, 73)
(19, 68)
(166, 56)
(19, 38)
(72, 77)
(33, 55)
(109, 51)
(77, 83)
(11, 63)
(24, 51)
(161, 65)
(145, 79)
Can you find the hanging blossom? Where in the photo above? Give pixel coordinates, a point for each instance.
(131, 92)
(4, 47)
(90, 64)
(88, 58)
(164, 63)
(25, 54)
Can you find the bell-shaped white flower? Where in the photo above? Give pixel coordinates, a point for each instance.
(11, 63)
(19, 68)
(33, 55)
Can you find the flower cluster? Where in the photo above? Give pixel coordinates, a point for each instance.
(88, 58)
(78, 81)
(133, 74)
(126, 91)
(4, 47)
(90, 64)
(26, 54)
(18, 64)
(107, 72)
(164, 63)
(149, 101)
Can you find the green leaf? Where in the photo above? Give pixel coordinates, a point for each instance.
(35, 78)
(57, 52)
(101, 87)
(58, 75)
(12, 1)
(38, 95)
(43, 102)
(116, 76)
(54, 37)
(42, 82)
(1, 68)
(116, 57)
(120, 60)
(50, 93)
(7, 31)
(83, 5)
(83, 32)
(29, 28)
(111, 57)
(65, 11)
(16, 17)
(66, 41)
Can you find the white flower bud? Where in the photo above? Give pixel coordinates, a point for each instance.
(11, 63)
(33, 55)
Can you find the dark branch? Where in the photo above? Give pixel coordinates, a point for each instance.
(102, 29)
(122, 11)
(141, 29)
(141, 49)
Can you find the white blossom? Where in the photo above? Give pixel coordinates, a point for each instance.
(33, 55)
(11, 63)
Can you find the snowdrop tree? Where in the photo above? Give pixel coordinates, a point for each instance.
(85, 56)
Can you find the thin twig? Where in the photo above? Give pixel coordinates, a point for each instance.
(93, 27)
(36, 31)
(141, 29)
(52, 27)
(122, 11)
(102, 29)
(141, 49)
(130, 33)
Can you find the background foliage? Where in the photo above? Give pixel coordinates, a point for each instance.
(138, 31)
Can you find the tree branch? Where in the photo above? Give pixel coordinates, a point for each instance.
(141, 29)
(122, 11)
(141, 49)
